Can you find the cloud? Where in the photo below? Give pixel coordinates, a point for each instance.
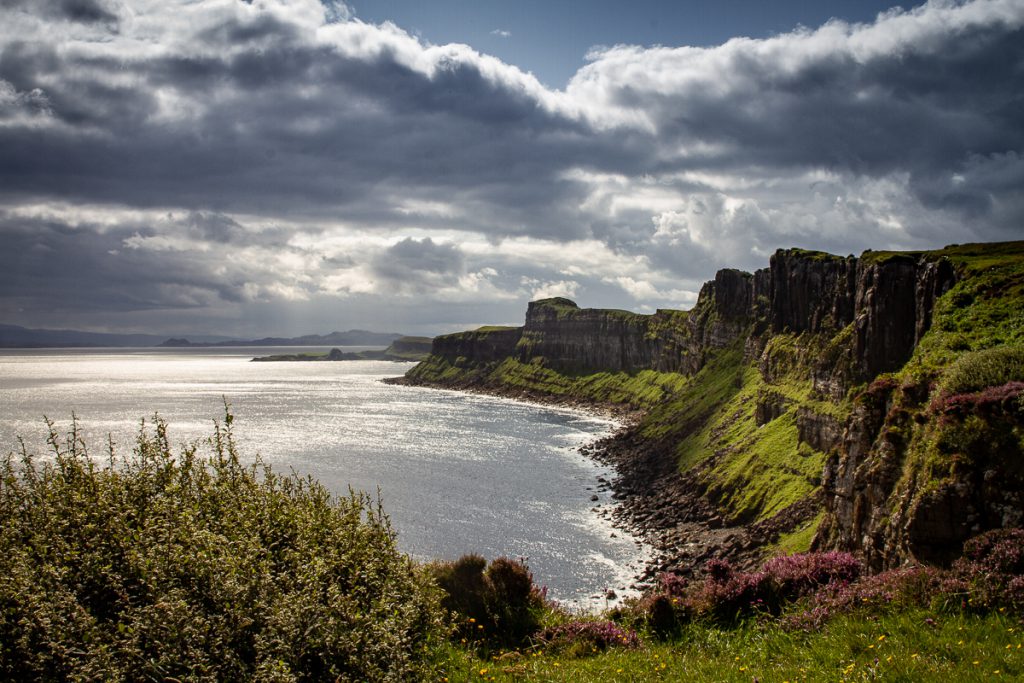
(83, 11)
(419, 265)
(549, 290)
(501, 33)
(221, 158)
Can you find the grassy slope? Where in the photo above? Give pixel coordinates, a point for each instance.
(759, 471)
(857, 647)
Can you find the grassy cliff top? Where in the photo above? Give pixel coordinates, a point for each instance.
(812, 254)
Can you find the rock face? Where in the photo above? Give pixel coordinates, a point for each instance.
(477, 347)
(874, 509)
(572, 339)
(886, 324)
(811, 291)
(888, 301)
(842, 323)
(821, 432)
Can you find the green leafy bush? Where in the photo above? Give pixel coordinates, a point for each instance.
(498, 601)
(157, 567)
(980, 369)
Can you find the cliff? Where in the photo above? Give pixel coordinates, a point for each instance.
(808, 402)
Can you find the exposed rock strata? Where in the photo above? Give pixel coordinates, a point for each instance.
(836, 321)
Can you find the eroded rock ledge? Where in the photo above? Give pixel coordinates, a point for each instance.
(797, 405)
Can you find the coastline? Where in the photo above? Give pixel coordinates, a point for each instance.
(667, 511)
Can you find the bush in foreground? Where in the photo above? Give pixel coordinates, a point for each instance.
(497, 601)
(156, 567)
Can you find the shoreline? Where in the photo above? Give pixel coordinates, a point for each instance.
(666, 510)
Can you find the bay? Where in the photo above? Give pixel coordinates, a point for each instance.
(457, 472)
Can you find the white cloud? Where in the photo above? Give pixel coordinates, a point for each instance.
(227, 155)
(548, 290)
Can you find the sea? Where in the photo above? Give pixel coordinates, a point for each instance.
(456, 472)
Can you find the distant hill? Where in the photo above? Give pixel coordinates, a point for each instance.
(15, 336)
(350, 338)
(402, 349)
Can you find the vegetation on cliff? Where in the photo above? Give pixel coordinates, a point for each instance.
(854, 403)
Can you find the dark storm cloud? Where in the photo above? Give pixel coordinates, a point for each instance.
(64, 266)
(85, 11)
(52, 265)
(275, 123)
(413, 263)
(269, 119)
(904, 133)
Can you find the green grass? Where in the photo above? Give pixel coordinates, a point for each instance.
(798, 540)
(758, 469)
(815, 255)
(980, 369)
(855, 647)
(984, 309)
(639, 390)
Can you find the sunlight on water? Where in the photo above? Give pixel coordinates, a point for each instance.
(457, 472)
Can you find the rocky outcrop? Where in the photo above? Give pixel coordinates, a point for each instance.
(886, 322)
(888, 302)
(770, 406)
(811, 291)
(572, 339)
(821, 432)
(934, 278)
(723, 314)
(884, 502)
(477, 347)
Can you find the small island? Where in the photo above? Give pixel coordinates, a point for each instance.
(411, 349)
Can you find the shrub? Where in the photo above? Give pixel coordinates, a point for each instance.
(661, 612)
(464, 588)
(513, 602)
(587, 637)
(997, 398)
(992, 569)
(195, 567)
(980, 369)
(673, 585)
(730, 599)
(799, 574)
(499, 601)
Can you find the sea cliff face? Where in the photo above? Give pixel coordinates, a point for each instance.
(806, 403)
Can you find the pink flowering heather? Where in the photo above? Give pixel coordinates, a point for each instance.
(988, 399)
(800, 573)
(597, 635)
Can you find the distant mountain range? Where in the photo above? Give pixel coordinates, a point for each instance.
(350, 338)
(14, 336)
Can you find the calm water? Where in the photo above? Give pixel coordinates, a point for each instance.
(457, 472)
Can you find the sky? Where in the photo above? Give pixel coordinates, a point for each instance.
(283, 167)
